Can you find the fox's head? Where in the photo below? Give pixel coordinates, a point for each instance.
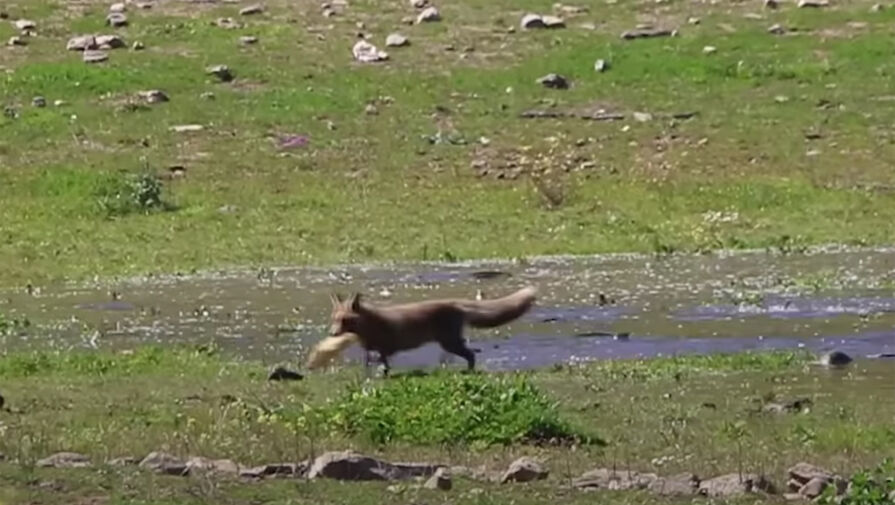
(345, 315)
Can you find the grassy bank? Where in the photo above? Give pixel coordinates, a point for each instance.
(789, 146)
(706, 415)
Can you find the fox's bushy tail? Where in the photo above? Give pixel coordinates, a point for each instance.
(491, 313)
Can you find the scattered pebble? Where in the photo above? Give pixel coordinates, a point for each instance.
(222, 72)
(117, 7)
(813, 3)
(709, 50)
(144, 5)
(771, 4)
(877, 8)
(531, 21)
(226, 23)
(781, 98)
(39, 101)
(642, 117)
(186, 128)
(371, 110)
(94, 56)
(554, 81)
(777, 29)
(647, 33)
(601, 65)
(419, 4)
(693, 21)
(15, 40)
(208, 95)
(396, 40)
(248, 40)
(116, 20)
(59, 103)
(138, 46)
(365, 52)
(428, 15)
(25, 25)
(251, 9)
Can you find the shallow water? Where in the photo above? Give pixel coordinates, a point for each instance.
(683, 304)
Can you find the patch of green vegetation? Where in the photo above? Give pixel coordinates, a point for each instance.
(873, 486)
(75, 363)
(475, 409)
(10, 325)
(679, 367)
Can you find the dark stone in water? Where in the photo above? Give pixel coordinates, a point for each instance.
(282, 374)
(835, 358)
(489, 274)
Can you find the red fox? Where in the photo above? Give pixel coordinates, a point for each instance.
(391, 329)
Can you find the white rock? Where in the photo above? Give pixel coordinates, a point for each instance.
(365, 52)
(396, 40)
(428, 15)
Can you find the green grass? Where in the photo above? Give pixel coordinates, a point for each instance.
(371, 187)
(669, 415)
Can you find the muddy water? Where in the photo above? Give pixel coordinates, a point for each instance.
(588, 307)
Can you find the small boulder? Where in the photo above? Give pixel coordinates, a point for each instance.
(365, 52)
(675, 485)
(65, 460)
(161, 462)
(531, 21)
(109, 42)
(553, 81)
(116, 20)
(205, 465)
(812, 4)
(283, 374)
(222, 72)
(153, 96)
(731, 485)
(601, 65)
(776, 29)
(396, 40)
(349, 465)
(25, 25)
(428, 15)
(41, 102)
(15, 40)
(614, 479)
(835, 359)
(226, 23)
(138, 46)
(91, 56)
(248, 40)
(553, 22)
(441, 479)
(419, 4)
(275, 470)
(117, 7)
(251, 9)
(524, 469)
(647, 33)
(81, 43)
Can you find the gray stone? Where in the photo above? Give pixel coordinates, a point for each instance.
(116, 20)
(776, 29)
(275, 470)
(614, 479)
(161, 462)
(222, 72)
(205, 465)
(65, 460)
(441, 479)
(396, 40)
(251, 9)
(110, 42)
(37, 101)
(731, 485)
(419, 4)
(81, 43)
(675, 485)
(524, 469)
(248, 40)
(553, 21)
(428, 15)
(138, 46)
(554, 81)
(812, 3)
(835, 359)
(646, 33)
(530, 21)
(25, 25)
(117, 7)
(349, 465)
(91, 56)
(153, 96)
(16, 41)
(365, 52)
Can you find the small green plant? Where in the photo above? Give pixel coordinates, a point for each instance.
(867, 487)
(136, 193)
(11, 325)
(445, 409)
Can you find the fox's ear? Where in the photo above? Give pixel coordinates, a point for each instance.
(335, 299)
(354, 302)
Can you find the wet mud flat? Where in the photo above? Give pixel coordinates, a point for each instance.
(613, 306)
